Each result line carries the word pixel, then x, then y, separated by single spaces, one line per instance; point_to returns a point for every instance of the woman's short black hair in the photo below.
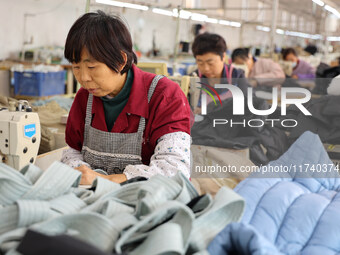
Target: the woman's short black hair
pixel 209 43
pixel 105 37
pixel 242 53
pixel 288 51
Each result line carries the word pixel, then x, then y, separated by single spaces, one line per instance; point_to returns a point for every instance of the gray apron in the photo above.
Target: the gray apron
pixel 112 152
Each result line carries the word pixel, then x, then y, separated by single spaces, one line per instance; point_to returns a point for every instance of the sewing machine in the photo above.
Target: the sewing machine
pixel 19 135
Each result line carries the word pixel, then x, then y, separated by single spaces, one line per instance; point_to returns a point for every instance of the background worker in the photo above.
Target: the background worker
pixel 301 69
pixel 209 51
pixel 262 71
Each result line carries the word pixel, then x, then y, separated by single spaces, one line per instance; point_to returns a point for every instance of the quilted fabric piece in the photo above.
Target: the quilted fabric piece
pixel 296 213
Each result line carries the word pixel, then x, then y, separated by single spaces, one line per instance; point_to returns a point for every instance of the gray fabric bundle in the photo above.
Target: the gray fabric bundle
pixel 149 217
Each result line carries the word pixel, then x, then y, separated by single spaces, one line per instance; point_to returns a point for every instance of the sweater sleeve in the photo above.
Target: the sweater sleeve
pixel 271 73
pixel 74 133
pixel 172 154
pixel 73 158
pixel 308 72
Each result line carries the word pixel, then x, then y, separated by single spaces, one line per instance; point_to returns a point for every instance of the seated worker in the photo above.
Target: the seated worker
pixel 262 71
pixel 301 69
pixel 210 53
pixel 123 121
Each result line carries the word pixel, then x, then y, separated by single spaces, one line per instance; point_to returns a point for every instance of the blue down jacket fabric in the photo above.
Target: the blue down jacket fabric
pixel 295 213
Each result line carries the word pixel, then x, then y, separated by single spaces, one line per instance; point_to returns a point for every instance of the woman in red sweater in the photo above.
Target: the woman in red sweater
pixel 123 121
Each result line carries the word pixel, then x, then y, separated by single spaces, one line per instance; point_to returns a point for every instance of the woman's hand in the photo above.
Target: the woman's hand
pixel 118 178
pixel 87 175
pixel 197 110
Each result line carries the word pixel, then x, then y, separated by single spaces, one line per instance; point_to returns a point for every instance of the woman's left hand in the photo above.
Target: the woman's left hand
pixel 87 175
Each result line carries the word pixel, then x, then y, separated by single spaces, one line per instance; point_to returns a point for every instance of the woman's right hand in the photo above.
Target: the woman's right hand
pixel 197 110
pixel 87 175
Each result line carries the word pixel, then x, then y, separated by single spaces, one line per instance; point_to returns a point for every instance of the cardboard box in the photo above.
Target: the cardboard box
pixel 4 83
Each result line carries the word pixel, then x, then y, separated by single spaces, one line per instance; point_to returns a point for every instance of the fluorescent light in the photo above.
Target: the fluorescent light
pixel 122 4
pixel 304 35
pixel 224 22
pixel 235 24
pixel 136 6
pixel 187 15
pixel 319 2
pixel 162 12
pixel 229 23
pixel 198 17
pixel 317 37
pixel 280 31
pixel 210 20
pixel 298 34
pixel 183 14
pixel 333 39
pixel 261 28
pixel 332 10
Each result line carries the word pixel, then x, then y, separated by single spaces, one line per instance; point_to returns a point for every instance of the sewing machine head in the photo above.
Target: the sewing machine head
pixel 19 135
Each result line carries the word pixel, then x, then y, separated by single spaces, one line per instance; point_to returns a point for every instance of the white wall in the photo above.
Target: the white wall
pixel 253 37
pixel 49 26
pixel 143 24
pixel 54 18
